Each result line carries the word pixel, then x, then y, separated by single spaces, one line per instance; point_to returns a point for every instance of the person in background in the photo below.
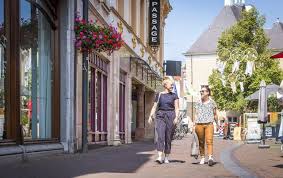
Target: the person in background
pixel 203 124
pixel 167 104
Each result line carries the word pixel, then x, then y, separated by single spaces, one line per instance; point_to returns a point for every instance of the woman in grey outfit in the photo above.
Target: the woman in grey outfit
pixel 167 110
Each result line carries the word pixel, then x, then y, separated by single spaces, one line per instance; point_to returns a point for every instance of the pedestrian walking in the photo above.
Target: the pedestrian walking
pixel 165 111
pixel 203 124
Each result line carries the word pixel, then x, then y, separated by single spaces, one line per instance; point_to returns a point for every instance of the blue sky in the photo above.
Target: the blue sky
pixel 189 18
pixel 25 10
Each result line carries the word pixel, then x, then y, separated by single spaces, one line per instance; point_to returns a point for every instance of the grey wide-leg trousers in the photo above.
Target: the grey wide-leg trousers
pixel 164 128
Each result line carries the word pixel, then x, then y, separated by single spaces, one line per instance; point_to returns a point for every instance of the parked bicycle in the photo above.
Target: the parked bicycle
pixel 181 129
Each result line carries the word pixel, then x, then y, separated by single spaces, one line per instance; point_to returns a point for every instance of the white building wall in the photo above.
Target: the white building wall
pixel 198 70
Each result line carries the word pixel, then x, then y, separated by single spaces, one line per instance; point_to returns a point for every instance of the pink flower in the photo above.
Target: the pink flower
pixel 78 43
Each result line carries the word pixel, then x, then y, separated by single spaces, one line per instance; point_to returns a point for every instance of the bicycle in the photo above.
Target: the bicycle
pixel 180 130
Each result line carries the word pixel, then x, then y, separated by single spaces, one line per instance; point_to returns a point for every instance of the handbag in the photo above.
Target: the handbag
pixel 154 117
pixel 195 146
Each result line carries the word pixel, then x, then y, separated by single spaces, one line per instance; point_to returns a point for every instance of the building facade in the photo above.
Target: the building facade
pixel 41 75
pixel 122 92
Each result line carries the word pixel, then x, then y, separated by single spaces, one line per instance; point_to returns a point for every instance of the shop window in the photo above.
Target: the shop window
pixel 232 119
pixel 27 91
pixel 122 100
pixel 98 99
pixel 36 72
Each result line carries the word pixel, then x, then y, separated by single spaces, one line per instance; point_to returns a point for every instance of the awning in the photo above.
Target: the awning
pixel 279 55
pixel 146 65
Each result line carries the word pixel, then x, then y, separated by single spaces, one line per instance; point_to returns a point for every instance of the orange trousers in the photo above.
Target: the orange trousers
pixel 205 134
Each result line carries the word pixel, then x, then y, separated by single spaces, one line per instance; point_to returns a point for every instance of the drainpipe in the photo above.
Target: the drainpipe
pixel 85 87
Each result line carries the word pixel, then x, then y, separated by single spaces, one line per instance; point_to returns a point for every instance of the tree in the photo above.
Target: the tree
pixel 245 41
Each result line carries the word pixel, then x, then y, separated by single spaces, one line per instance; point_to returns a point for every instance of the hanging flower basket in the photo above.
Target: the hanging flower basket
pixel 92 37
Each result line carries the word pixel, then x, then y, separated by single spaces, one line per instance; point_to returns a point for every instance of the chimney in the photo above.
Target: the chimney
pixel 228 2
pixel 233 2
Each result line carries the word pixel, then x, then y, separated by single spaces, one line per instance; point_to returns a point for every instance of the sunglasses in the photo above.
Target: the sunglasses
pixel 202 91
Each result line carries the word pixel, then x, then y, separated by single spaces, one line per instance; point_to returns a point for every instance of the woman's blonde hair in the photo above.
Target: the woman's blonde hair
pixel 166 80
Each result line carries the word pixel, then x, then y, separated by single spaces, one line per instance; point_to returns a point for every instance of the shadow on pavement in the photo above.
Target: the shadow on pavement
pixel 177 161
pixel 279 166
pixel 121 159
pixel 197 163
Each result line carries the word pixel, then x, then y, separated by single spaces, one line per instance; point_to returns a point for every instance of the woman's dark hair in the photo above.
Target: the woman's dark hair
pixel 208 89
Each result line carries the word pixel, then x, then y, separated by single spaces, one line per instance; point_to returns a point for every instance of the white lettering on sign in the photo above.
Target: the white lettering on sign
pixel 154 33
pixel 154 39
pixel 154 15
pixel 154 22
pixel 154 10
pixel 154 28
pixel 154 3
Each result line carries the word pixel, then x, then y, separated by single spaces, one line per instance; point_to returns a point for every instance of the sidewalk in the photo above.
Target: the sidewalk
pixel 134 160
pixel 262 162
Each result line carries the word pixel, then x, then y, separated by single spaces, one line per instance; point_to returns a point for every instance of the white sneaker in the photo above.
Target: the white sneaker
pixel 159 160
pixel 210 161
pixel 202 161
pixel 166 160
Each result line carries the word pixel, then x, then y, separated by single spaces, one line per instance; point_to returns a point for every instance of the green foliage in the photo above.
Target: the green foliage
pixel 24 119
pixel 272 104
pixel 239 43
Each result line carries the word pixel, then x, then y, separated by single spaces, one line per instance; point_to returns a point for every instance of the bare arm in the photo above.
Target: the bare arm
pixel 153 109
pixel 176 103
pixel 215 116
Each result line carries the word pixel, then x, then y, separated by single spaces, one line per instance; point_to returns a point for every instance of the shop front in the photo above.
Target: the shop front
pixel 30 79
pixel 145 83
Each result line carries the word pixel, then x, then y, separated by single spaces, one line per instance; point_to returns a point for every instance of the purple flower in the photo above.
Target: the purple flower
pixel 79 43
pixel 100 36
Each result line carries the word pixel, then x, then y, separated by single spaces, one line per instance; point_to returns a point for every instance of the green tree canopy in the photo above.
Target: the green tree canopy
pixel 245 41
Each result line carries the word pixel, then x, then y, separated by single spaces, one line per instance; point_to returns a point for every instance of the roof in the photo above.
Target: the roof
pixel 276 36
pixel 228 16
pixel 207 42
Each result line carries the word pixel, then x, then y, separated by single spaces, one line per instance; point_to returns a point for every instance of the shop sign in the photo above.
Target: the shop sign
pixel 154 20
pixel 253 130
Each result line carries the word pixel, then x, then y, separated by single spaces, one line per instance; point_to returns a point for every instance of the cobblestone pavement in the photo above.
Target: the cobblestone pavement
pixel 262 162
pixel 134 160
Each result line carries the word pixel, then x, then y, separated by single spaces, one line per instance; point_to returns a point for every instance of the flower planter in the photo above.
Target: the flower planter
pixel 92 37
